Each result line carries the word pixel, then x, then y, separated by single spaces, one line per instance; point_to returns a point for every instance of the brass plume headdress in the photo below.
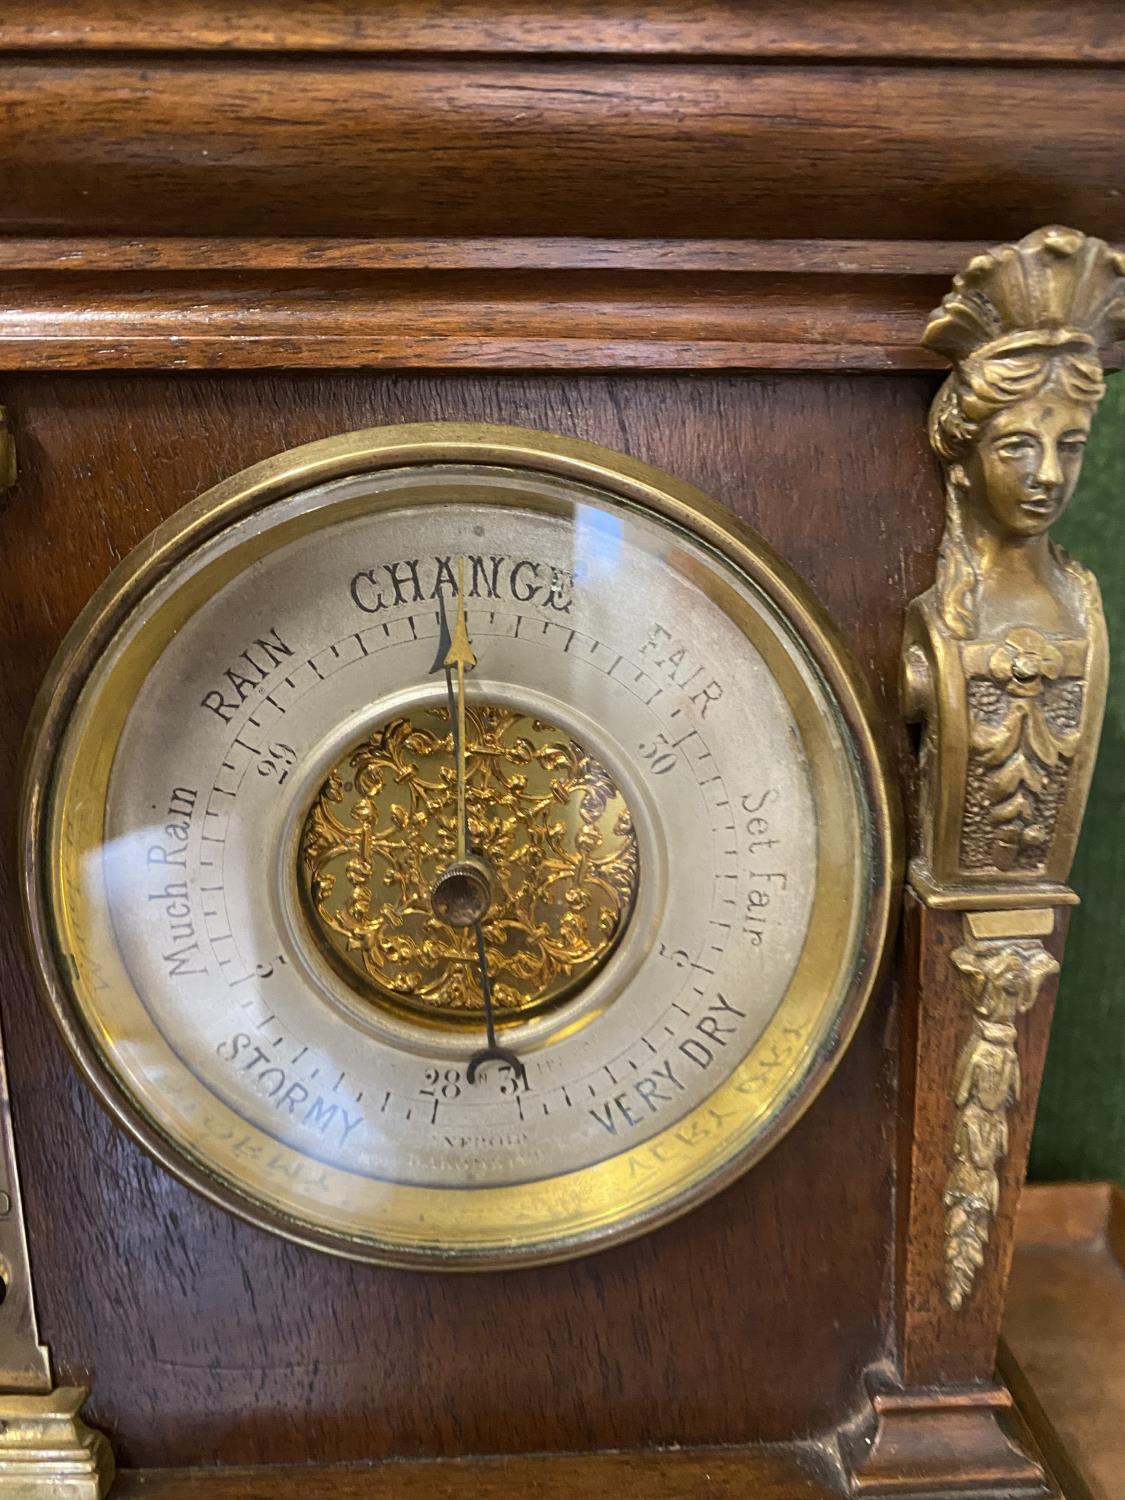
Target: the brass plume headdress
pixel 1056 289
pixel 1011 313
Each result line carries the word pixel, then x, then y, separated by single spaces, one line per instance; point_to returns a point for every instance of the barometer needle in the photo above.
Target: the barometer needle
pixel 486 986
pixel 459 659
pixel 491 1053
pixel 455 657
pixel 445 642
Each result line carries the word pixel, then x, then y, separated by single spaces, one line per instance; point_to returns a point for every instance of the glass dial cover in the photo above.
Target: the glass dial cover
pixel 243 789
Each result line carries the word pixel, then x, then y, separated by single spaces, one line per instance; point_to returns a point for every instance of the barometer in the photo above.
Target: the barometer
pixel 455 846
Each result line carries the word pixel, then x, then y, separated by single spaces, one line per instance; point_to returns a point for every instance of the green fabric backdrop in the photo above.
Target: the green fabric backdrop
pixel 1080 1131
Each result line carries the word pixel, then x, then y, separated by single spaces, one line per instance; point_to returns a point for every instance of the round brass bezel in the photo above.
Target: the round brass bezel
pixel 612 475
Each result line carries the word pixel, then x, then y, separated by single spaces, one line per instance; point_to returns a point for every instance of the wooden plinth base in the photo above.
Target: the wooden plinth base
pixel 692 1474
pixel 926 1449
pixel 923 1443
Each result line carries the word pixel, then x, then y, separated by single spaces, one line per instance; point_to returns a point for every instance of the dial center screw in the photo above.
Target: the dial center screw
pixel 462 892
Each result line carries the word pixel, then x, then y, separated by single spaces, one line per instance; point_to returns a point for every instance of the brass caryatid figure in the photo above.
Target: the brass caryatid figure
pixel 1005 659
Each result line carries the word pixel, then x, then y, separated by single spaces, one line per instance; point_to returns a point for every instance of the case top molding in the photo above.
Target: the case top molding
pixel 569 186
pixel 477 302
pixel 958 31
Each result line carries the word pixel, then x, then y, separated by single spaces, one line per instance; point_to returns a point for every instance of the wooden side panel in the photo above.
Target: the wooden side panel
pixel 469 147
pixel 208 1340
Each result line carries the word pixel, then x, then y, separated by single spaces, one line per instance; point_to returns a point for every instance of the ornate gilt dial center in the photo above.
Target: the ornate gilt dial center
pixel 544 815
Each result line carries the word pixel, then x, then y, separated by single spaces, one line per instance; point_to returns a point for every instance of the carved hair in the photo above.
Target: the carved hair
pixel 978 388
pixel 1019 318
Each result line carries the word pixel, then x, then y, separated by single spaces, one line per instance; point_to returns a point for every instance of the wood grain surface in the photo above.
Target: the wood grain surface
pixel 211 302
pixel 199 143
pixel 1015 30
pixel 1064 1329
pixel 548 303
pixel 718 1474
pixel 938 259
pixel 203 1336
pixel 480 319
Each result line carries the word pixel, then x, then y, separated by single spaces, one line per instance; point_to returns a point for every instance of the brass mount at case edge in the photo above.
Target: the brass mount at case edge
pixel 45 1447
pixel 47 1452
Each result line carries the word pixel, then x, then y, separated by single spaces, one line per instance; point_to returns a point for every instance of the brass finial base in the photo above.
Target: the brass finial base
pixel 47 1452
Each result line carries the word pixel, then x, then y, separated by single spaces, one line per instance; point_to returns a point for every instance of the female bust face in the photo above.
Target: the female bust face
pixel 1024 465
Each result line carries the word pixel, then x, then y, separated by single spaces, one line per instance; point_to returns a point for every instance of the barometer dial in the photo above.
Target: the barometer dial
pixel 456 846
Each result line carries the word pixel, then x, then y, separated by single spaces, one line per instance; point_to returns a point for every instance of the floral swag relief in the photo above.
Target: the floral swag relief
pixel 1004 662
pixel 1025 699
pixel 1003 981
